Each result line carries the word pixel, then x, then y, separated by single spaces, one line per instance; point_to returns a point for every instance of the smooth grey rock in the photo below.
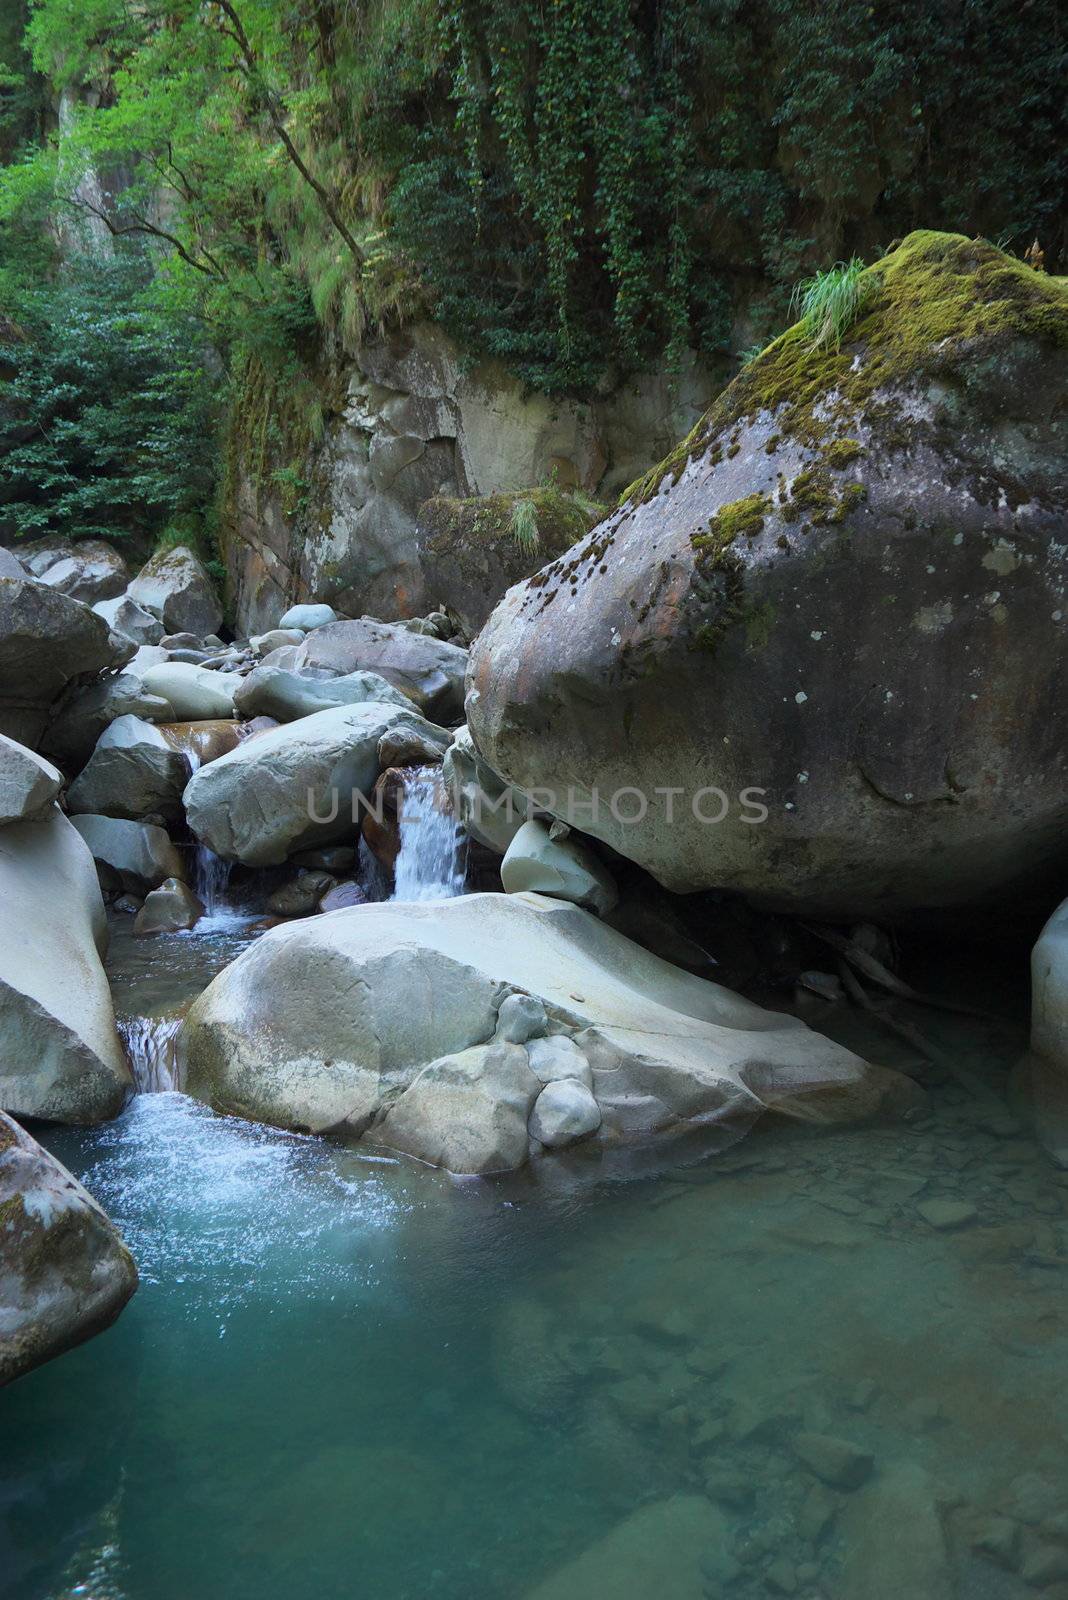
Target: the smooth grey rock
pixel 486 807
pixel 562 868
pixel 28 783
pixel 466 1112
pixel 838 1462
pixel 564 1112
pixel 172 908
pixel 892 1541
pixel 428 671
pixel 376 993
pixel 135 769
pixel 40 554
pixel 93 571
pixel 277 639
pixel 1049 1034
pixel 87 709
pixel 558 1057
pixel 129 620
pixel 140 855
pixel 292 788
pixel 10 565
pixel 276 691
pixel 60 1056
pixel 65 1271
pixel 696 640
pixel 661 1549
pixel 194 693
pixel 944 1212
pixel 175 587
pixel 46 641
pixel 308 617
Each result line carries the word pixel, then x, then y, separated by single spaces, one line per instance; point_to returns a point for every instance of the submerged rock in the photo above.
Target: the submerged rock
pixel 60 1056
pixel 664 1550
pixel 66 1273
pixel 175 588
pixel 840 592
pixel 386 1001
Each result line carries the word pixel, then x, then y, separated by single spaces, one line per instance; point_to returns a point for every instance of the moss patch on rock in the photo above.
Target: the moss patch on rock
pixel 453 527
pixel 938 301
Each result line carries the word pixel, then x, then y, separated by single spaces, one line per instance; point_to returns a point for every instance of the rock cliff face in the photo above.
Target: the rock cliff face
pixel 416 422
pixel 846 588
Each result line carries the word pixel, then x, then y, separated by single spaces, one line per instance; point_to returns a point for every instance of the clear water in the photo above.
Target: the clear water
pixel 353 1378
pixel 211 878
pixel 430 864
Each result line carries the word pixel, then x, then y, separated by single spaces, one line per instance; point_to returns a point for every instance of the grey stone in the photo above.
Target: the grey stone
pixel 564 1112
pixel 276 691
pixel 47 640
pixel 93 571
pixel 562 868
pixel 558 1057
pixel 175 587
pixel 28 783
pixel 129 620
pixel 172 908
pixel 838 1462
pixel 140 855
pixel 943 1212
pixel 195 693
pixel 135 769
pixel 521 1017
pixel 308 617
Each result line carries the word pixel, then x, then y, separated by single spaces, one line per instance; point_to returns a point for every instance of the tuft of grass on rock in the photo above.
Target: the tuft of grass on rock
pixel 829 303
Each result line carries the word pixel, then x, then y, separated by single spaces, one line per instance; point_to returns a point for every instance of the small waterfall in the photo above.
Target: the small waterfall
pixel 150 1049
pixel 211 876
pixel 430 865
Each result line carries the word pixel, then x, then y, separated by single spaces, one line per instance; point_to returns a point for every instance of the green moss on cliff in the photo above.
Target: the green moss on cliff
pixel 737 519
pixel 938 301
pixel 453 527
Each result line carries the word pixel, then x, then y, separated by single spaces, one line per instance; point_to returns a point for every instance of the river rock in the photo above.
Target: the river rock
pixel 838 1462
pixel 564 1112
pixel 840 591
pixel 308 617
pixel 559 867
pixel 93 571
pixel 196 694
pixel 138 854
pixel 892 1541
pixel 10 565
pixel 39 554
pixel 175 587
pixel 28 783
pixel 558 1057
pixel 429 671
pixel 301 895
pixel 129 620
pixel 375 994
pixel 264 644
pixel 87 709
pixel 276 691
pixel 485 806
pixel 172 908
pixel 1049 1034
pixel 60 1057
pixel 134 770
pixel 664 1549
pixel 65 1271
pixel 466 1112
pixel 46 641
pixel 294 787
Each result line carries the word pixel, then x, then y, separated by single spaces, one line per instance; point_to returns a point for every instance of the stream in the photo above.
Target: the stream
pixel 347 1376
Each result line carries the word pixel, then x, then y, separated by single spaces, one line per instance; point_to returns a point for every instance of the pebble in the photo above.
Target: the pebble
pixel 838 1462
pixel 944 1213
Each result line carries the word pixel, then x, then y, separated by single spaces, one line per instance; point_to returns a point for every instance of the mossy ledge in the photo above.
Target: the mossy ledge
pixel 938 299
pixel 453 526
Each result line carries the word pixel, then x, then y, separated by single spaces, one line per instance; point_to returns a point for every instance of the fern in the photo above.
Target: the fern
pixel 830 302
pixel 525 526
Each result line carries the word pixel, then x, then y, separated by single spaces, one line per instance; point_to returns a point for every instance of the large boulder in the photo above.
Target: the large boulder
pixel 92 571
pixel 335 1022
pixel 46 641
pixel 175 587
pixel 28 783
pixel 66 1273
pixel 429 671
pixel 486 807
pixel 473 550
pixel 563 868
pixel 196 694
pixel 10 565
pixel 139 769
pixel 296 786
pixel 275 691
pixel 135 856
pixel 88 708
pixel 839 592
pixel 129 620
pixel 60 1056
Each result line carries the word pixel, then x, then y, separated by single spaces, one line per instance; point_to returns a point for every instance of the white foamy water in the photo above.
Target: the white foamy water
pixel 430 865
pixel 211 878
pixel 150 1050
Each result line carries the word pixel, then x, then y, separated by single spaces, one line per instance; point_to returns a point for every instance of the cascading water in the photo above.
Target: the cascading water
pixel 430 865
pixel 211 875
pixel 150 1044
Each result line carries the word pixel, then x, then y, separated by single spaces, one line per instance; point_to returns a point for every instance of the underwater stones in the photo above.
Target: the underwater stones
pixel 172 908
pixel 943 1212
pixel 174 587
pixel 28 783
pixel 294 787
pixel 692 646
pixel 837 1462
pixel 195 694
pixel 562 868
pixel 60 1057
pixel 564 1112
pixel 661 1549
pixel 892 1540
pixel 65 1271
pixel 276 691
pixel 378 993
pixel 308 617
pixel 137 854
pixel 301 895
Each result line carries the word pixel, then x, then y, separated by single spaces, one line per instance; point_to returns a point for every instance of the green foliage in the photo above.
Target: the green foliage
pixel 830 302
pixel 107 418
pixel 525 526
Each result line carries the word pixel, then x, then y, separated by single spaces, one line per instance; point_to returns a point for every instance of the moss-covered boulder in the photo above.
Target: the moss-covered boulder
pixel 846 588
pixel 65 1274
pixel 472 551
